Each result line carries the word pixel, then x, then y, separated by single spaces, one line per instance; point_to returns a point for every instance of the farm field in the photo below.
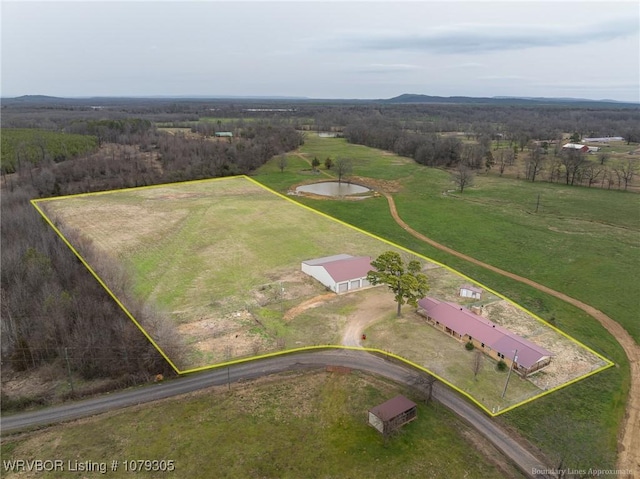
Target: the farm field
pixel 581 240
pixel 222 259
pixel 596 405
pixel 248 431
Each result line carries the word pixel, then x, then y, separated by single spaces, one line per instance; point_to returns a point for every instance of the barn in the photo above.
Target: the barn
pixel 495 341
pixel 340 273
pixel 469 291
pixel 576 147
pixel 393 414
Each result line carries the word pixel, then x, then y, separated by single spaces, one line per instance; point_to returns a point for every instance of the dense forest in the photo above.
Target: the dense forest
pixel 54 313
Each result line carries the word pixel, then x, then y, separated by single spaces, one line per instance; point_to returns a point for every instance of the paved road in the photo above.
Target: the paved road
pixel 360 360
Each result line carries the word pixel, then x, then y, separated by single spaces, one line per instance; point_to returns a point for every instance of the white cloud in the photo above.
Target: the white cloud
pixel 473 38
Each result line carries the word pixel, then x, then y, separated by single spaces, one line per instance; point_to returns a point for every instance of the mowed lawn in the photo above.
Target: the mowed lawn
pixel 311 424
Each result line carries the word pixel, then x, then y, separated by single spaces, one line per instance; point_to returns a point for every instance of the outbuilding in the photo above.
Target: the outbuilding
pixel 576 147
pixel 340 273
pixel 393 414
pixel 469 291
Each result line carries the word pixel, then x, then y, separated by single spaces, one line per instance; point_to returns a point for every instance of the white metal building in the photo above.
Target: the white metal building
pixel 340 273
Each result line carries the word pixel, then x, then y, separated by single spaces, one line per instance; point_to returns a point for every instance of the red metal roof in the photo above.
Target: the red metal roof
pixel 345 269
pixel 464 322
pixel 392 408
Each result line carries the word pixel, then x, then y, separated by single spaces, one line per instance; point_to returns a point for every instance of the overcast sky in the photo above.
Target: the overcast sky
pixel 322 49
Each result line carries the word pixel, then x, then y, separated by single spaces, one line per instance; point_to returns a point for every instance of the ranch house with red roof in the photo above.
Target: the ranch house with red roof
pixel 495 341
pixel 340 273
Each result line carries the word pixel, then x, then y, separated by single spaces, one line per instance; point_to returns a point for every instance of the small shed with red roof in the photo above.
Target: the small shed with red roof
pixel 340 273
pixel 490 338
pixel 393 414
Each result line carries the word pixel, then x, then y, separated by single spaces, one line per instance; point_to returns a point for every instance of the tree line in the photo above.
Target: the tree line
pixel 53 312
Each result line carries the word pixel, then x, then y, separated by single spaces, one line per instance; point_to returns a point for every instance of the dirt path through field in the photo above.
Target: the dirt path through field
pixel 371 309
pixel 309 303
pixel 629 439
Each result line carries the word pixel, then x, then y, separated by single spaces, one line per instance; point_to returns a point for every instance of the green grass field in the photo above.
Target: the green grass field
pixel 28 145
pixel 581 241
pixel 211 254
pixel 311 424
pixel 495 222
pixel 596 245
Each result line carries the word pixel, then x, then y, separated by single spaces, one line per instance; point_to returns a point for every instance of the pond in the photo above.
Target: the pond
pixel 333 188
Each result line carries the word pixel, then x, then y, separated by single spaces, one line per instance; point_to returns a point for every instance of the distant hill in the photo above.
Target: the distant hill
pixel 501 100
pixel 406 98
pixel 33 99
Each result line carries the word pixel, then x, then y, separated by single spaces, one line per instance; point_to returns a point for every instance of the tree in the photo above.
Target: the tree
pixel 406 282
pixel 282 162
pixel 625 173
pixel 476 363
pixel 315 163
pixel 343 167
pixel 462 176
pixel 533 163
pixel 573 161
pixel 603 157
pixel 423 383
pixel 328 163
pixel 591 174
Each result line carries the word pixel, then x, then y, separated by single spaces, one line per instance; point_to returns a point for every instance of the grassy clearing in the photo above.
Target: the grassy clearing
pixel 499 227
pixel 30 145
pixel 216 254
pixel 297 425
pixel 580 242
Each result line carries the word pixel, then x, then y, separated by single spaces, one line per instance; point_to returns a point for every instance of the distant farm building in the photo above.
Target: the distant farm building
pixel 605 139
pixel 393 414
pixel 224 134
pixel 490 338
pixel 340 273
pixel 468 291
pixel 576 147
pixel 593 149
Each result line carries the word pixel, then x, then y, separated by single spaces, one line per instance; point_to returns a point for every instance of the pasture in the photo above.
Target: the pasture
pixel 280 426
pixel 580 241
pixel 495 221
pixel 222 259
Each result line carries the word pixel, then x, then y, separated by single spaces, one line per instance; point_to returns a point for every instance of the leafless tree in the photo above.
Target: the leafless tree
pixel 476 363
pixel 625 173
pixel 462 176
pixel 534 162
pixel 591 174
pixel 282 162
pixel 343 167
pixel 603 157
pixel 424 384
pixel 573 161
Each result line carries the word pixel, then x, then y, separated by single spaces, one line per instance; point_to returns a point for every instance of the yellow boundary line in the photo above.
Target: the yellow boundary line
pixel 102 283
pixel 608 362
